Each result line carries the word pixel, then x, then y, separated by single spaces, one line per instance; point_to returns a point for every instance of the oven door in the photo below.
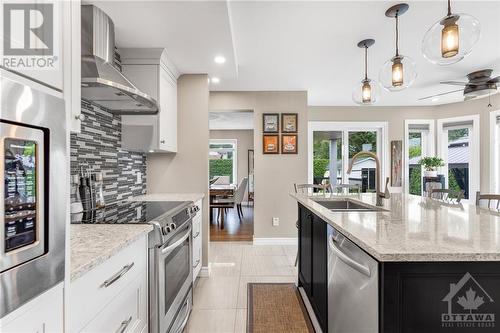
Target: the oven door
pixel 175 275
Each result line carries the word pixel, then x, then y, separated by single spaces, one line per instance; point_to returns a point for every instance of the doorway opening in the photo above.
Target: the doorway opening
pixel 231 176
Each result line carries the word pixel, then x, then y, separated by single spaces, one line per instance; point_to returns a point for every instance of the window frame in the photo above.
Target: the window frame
pixel 233 142
pixel 346 128
pixel 475 144
pixel 429 146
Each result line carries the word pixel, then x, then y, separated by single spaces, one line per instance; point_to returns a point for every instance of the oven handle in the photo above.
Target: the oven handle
pixel 184 322
pixel 177 243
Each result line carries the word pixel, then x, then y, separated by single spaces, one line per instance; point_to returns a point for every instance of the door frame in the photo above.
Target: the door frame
pixel 345 127
pixel 494 152
pixel 475 163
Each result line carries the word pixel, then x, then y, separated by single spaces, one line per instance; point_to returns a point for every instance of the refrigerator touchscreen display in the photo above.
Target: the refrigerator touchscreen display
pixel 20 177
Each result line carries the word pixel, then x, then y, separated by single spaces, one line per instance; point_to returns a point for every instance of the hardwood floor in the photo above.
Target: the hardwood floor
pixel 234 230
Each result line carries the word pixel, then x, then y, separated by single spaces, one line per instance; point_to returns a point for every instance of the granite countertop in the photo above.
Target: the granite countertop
pixel 415 228
pixel 92 244
pixel 169 197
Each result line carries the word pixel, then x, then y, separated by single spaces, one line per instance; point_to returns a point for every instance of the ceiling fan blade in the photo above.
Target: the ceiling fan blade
pixel 442 94
pixel 456 83
pixel 495 80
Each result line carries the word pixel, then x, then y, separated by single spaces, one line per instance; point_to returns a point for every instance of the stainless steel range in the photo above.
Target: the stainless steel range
pixel 170 256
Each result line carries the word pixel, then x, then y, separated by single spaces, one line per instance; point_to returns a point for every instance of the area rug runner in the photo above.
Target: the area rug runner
pixel 276 307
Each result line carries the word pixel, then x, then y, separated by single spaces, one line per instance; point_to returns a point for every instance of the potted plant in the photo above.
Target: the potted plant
pixel 430 165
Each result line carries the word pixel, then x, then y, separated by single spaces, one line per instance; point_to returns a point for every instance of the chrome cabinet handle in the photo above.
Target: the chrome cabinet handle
pixel 177 243
pixel 124 325
pixel 346 259
pixel 118 275
pixel 197 263
pixel 197 234
pixel 162 141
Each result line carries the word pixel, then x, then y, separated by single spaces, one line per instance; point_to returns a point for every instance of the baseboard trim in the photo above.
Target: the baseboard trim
pixel 205 271
pixel 275 241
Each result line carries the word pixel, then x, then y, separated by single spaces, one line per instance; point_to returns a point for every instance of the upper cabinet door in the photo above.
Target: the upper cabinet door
pixel 168 112
pixel 39 57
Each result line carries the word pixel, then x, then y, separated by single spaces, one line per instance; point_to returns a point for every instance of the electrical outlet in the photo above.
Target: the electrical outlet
pixel 276 221
pixel 138 212
pixel 139 177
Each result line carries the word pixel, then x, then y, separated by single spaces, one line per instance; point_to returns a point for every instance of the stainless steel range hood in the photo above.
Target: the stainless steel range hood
pixel 103 84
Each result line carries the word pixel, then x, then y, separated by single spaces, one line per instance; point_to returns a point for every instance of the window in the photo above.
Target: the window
pixel 419 142
pixel 458 146
pixel 495 151
pixel 332 146
pixel 223 160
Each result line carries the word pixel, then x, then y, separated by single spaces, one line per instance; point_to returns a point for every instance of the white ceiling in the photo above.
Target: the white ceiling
pixel 237 120
pixel 291 45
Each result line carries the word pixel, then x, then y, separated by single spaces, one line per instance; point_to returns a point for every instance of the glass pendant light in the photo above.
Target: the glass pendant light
pixel 365 92
pixel 399 72
pixel 451 38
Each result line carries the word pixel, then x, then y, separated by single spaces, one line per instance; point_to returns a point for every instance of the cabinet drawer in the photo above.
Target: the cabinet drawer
pixel 126 313
pixel 196 226
pixel 94 290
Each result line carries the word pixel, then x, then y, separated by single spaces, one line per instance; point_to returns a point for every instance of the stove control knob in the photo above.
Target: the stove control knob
pixel 173 226
pixel 166 229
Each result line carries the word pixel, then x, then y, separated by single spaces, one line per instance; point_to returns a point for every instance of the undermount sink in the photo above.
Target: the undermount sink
pixel 346 205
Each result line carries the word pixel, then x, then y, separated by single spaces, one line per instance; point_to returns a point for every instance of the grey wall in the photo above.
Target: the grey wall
pixel 244 143
pixel 99 144
pixel 274 174
pixel 187 170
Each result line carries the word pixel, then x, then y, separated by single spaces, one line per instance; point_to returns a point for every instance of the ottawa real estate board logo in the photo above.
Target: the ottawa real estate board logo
pixel 29 39
pixel 468 305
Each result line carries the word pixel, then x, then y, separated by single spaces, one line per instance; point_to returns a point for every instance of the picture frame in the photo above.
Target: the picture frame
pixel 270 122
pixel 289 143
pixel 289 122
pixel 270 144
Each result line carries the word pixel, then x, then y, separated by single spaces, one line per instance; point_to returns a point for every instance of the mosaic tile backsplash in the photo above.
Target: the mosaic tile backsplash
pixel 99 145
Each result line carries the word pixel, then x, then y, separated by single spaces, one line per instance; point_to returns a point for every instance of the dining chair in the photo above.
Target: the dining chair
pixel 448 195
pixel 231 202
pixel 490 197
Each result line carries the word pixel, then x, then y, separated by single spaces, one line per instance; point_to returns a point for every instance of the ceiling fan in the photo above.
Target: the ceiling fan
pixel 480 84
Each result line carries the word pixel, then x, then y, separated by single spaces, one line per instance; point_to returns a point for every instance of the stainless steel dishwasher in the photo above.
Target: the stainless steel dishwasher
pixel 352 287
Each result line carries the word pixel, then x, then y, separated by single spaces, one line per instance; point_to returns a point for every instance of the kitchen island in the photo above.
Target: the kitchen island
pixel 414 265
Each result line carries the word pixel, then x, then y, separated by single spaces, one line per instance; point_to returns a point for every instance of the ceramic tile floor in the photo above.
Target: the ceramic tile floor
pixel 220 301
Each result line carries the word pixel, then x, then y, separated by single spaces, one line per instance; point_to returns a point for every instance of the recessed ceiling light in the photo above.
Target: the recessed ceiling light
pixel 220 59
pixel 215 80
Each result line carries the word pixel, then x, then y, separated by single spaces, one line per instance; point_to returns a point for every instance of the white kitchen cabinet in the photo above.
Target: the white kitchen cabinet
pixel 151 71
pixel 197 240
pixel 113 297
pixel 42 315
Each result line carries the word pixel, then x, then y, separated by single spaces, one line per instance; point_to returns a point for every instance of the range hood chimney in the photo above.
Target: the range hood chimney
pixel 103 84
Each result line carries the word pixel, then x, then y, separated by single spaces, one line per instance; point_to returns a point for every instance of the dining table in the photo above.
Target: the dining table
pixel 219 191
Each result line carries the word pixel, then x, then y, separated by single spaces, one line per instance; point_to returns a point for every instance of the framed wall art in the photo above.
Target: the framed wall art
pixel 270 122
pixel 289 143
pixel 289 122
pixel 270 144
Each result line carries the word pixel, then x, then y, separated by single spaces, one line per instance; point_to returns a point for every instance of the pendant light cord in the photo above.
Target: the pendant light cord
pixel 397 34
pixel 366 62
pixel 449 7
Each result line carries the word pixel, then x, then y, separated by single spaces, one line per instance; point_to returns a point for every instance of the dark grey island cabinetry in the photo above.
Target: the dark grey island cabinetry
pixel 355 286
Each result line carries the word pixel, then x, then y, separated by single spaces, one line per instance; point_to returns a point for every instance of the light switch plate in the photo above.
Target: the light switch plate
pixel 276 221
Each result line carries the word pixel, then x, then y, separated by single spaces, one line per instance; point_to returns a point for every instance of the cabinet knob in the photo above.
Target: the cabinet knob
pixel 162 141
pixel 80 117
